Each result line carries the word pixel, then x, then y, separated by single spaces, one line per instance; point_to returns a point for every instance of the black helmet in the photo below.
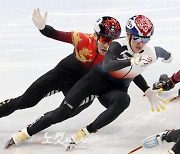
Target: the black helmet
pixel 108 27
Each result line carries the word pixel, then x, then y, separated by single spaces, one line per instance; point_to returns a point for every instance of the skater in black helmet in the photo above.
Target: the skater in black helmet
pixel 89 50
pixel 124 62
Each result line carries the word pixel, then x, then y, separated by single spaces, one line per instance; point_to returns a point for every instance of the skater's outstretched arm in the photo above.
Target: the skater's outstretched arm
pixel 48 31
pixel 165 55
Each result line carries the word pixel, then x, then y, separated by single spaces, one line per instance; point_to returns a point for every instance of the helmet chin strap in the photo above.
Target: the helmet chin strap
pixel 130 42
pixel 97 44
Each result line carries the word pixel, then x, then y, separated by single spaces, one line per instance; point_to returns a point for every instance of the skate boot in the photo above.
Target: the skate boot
pixel 18 138
pixel 77 138
pixel 155 140
pixel 171 152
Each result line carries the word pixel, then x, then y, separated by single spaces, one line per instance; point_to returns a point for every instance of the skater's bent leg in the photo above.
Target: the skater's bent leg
pixel 38 90
pixel 33 94
pixel 58 115
pixel 81 108
pixel 120 102
pixel 8 106
pixel 78 94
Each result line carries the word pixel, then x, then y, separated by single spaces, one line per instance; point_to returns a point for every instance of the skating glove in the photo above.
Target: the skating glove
pixel 168 85
pixel 169 59
pixel 141 61
pixel 155 100
pixel 38 19
pixel 165 85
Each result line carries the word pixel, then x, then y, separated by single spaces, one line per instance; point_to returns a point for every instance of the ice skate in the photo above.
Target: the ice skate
pixel 9 143
pixel 155 140
pixel 171 152
pixel 77 138
pixel 18 138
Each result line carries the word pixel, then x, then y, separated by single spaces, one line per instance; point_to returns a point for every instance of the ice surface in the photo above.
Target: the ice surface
pixel 25 55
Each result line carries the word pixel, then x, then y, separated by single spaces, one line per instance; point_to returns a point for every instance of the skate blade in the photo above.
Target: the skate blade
pixel 9 143
pixel 70 146
pixel 175 98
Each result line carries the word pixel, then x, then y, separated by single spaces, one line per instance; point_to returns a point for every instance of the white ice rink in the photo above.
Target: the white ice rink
pixel 25 55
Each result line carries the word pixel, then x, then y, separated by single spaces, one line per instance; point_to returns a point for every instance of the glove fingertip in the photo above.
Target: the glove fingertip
pixel 165 101
pixel 158 109
pixel 160 89
pixel 163 107
pixel 152 109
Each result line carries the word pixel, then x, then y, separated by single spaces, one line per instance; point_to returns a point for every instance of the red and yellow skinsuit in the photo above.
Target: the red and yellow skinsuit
pixel 85 50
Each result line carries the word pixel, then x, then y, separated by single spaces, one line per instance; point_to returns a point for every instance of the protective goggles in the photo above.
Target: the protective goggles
pixel 105 40
pixel 141 39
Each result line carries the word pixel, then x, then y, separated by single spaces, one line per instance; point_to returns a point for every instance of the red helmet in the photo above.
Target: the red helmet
pixel 108 27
